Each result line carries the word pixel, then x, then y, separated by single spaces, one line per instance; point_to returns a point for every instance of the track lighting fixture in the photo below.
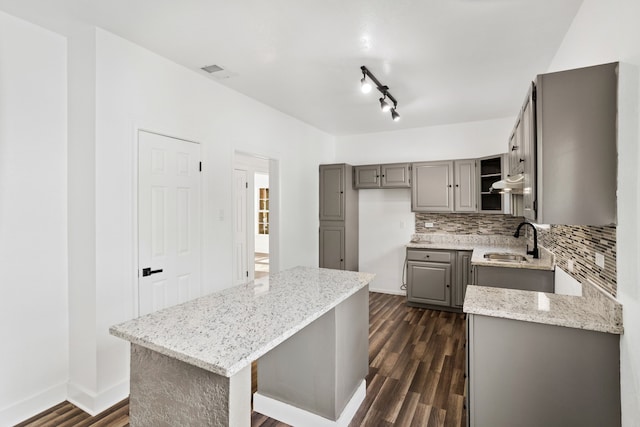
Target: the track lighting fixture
pixel 385 106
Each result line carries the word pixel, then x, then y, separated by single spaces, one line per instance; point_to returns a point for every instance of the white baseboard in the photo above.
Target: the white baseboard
pixel 389 291
pixel 27 408
pixel 297 417
pixel 94 403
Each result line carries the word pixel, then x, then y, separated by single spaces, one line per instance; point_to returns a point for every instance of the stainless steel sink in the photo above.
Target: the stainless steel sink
pixel 505 257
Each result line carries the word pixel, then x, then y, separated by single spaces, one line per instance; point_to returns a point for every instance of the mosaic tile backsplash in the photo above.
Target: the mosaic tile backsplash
pixel 471 223
pixel 567 242
pixel 580 243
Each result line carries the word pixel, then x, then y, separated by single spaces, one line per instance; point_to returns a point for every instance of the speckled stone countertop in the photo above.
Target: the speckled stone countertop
pixel 482 244
pixel 226 331
pixel 595 310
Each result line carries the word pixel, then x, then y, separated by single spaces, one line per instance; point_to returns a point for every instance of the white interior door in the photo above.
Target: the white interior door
pixel 240 229
pixel 169 247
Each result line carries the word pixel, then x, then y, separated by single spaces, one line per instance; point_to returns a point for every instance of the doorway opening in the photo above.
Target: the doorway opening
pixel 255 217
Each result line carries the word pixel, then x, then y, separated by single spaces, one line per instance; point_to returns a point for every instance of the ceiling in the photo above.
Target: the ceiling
pixel 445 61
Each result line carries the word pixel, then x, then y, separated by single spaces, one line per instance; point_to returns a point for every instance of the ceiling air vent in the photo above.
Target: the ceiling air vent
pixel 217 72
pixel 212 68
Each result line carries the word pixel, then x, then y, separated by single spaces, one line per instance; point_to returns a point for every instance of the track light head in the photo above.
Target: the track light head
pixel 384 105
pixel 365 86
pixel 394 115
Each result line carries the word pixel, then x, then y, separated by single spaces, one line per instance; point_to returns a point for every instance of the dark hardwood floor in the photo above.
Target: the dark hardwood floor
pixel 416 374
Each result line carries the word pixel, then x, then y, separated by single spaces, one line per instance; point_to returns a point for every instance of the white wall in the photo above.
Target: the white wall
pixel 606 32
pixel 135 88
pixel 33 221
pixel 386 220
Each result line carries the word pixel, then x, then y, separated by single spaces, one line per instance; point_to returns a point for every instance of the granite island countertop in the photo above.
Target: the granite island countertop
pixel 226 331
pixel 595 310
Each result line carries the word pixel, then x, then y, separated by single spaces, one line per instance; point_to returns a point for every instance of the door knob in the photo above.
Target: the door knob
pixel 148 271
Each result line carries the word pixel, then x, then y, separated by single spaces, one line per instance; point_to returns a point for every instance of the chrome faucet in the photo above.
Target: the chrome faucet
pixel 534 251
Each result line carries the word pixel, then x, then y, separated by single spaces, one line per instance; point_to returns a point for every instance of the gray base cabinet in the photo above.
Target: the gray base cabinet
pixel 437 278
pixel 338 233
pixel 514 278
pixel 530 375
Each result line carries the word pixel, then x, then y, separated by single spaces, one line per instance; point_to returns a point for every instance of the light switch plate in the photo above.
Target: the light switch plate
pixel 428 225
pixel 599 260
pixel 570 266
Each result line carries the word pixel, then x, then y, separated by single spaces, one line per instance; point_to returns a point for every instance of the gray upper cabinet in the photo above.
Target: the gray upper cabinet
pixel 570 156
pixel 444 186
pixel 432 189
pixel 490 170
pixel 338 232
pixel 464 190
pixel 529 157
pixel 394 175
pixel 367 176
pixel 332 192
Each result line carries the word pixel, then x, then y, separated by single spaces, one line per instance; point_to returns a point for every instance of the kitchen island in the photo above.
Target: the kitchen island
pixel 191 363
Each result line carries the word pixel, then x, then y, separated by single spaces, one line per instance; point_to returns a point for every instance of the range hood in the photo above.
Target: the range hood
pixel 512 184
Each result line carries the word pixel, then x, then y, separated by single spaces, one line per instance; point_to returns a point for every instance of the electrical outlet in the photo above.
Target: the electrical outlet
pixel 599 260
pixel 428 225
pixel 570 266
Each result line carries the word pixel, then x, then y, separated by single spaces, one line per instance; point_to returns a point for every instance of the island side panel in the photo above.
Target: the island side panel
pixel 352 346
pixel 320 368
pixel 166 391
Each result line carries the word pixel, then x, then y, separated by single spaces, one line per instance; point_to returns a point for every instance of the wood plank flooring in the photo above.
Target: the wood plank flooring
pixel 416 374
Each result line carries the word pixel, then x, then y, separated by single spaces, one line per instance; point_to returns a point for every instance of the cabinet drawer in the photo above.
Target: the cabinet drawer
pixel 432 256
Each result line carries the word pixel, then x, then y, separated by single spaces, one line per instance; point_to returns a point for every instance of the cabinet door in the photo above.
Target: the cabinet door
pixel 516 150
pixel 529 155
pixel 332 247
pixel 463 277
pixel 465 190
pixel 432 189
pixel 332 188
pixel 395 175
pixel 429 283
pixel 367 176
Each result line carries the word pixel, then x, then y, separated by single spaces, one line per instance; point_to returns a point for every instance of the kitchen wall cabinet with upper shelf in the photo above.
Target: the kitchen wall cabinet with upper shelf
pixel 338 234
pixel 448 186
pixel 490 170
pixel 393 175
pixel 569 143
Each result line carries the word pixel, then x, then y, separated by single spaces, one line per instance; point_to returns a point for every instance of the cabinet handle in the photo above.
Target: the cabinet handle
pixel 426 256
pixel 449 185
pixel 448 286
pixel 457 185
pixel 341 260
pixel 521 160
pixel 342 192
pixel 514 148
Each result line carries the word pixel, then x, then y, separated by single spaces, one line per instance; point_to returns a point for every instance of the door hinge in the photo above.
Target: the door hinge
pixel 200 167
pixel 246 185
pixel 247 274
